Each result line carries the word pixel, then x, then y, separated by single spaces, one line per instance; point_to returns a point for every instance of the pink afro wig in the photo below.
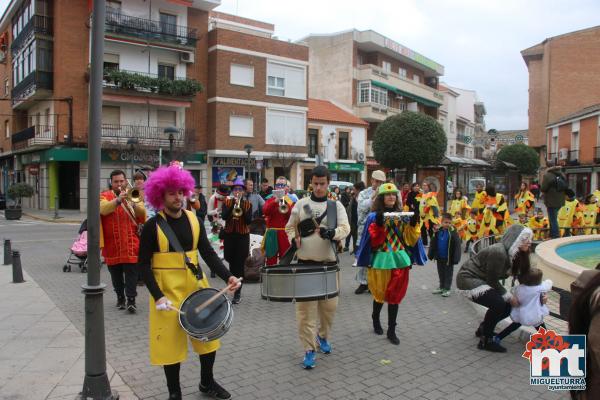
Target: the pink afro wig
pixel 167 178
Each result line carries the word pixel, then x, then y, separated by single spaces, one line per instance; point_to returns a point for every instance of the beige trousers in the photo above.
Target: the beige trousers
pixel 306 317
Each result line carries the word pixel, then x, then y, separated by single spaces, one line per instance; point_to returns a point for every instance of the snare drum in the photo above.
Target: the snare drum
pixel 299 282
pixel 212 322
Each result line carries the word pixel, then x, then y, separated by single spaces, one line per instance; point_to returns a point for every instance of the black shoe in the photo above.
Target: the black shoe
pixel 174 396
pixel 488 344
pixel 131 307
pixel 479 331
pixel 361 289
pixel 236 299
pixel 377 326
pixel 215 391
pixel 120 303
pixel 391 335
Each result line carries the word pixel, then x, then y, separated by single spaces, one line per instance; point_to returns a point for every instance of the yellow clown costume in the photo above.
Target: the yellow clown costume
pixel 168 341
pixel 566 215
pixel 525 201
pixel 459 205
pixel 471 230
pixel 538 226
pixel 499 207
pixel 429 209
pixel 590 212
pixel 479 202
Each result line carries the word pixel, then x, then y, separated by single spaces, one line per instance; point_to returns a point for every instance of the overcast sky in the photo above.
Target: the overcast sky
pixel 477 41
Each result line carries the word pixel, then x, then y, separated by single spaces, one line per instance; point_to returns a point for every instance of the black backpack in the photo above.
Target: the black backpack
pixel 561 183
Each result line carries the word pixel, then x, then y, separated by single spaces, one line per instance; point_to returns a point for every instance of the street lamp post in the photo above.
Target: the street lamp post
pixel 95 383
pixel 170 132
pixel 248 148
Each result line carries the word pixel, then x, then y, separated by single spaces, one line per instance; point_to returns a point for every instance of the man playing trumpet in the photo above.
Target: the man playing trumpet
pixel 277 211
pixel 121 213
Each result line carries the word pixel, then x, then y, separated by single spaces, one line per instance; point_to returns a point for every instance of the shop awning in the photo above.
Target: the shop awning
pixel 465 161
pixel 64 154
pixel 401 92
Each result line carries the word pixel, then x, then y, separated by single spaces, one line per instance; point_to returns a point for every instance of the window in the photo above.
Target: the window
pixel 313 142
pixel 113 5
pixel 166 118
pixel 168 23
pixel 343 146
pixel 575 141
pixel 7 128
pixel 286 80
pixel 372 94
pixel 386 66
pixel 243 75
pixel 166 71
pixel 417 78
pixel 47 117
pixel 6 87
pixel 111 61
pixel 241 125
pixel 111 115
pixel 363 90
pixel 402 72
pixel 286 128
pixel 451 126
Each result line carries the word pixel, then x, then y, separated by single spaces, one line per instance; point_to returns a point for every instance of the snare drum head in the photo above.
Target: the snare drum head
pixel 210 318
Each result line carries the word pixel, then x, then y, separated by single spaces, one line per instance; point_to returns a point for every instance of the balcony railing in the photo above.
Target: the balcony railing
pixel 573 155
pixel 28 86
pixel 552 157
pixel 146 29
pixel 597 154
pixel 37 24
pixel 34 135
pixel 150 83
pixel 147 136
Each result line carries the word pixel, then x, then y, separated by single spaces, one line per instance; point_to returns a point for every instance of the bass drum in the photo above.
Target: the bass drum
pixel 210 323
pixel 300 282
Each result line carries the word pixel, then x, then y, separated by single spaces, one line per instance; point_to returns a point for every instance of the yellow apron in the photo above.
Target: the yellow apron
pixel 168 341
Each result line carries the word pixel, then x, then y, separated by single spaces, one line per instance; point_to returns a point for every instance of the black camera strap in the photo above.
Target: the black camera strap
pixel 174 242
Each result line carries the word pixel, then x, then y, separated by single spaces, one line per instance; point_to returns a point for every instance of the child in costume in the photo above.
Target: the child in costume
pixel 539 225
pixel 384 248
pixel 487 225
pixel 522 219
pixel 445 249
pixel 525 199
pixel 459 224
pixel 531 311
pixel 497 204
pixel 478 201
pixel 459 204
pixel 566 214
pixel 472 230
pixel 429 211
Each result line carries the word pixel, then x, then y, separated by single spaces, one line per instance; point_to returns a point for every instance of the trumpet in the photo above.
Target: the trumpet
pixel 193 198
pixel 237 210
pixel 134 195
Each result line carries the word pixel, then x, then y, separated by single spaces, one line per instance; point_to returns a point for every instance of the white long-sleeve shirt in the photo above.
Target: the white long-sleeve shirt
pixel 531 311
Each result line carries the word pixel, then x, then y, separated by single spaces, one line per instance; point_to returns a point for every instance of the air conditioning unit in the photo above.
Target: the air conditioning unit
pixel 186 57
pixel 563 154
pixel 360 156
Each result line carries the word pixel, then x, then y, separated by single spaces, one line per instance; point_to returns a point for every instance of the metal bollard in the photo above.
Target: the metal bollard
pixel 7 252
pixel 55 207
pixel 16 267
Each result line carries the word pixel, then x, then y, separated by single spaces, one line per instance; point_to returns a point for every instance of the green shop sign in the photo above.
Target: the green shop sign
pixel 354 167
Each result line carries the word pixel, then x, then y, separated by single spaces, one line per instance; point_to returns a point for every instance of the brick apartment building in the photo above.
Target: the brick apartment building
pixel 257 101
pixel 155 55
pixel 563 79
pixel 373 76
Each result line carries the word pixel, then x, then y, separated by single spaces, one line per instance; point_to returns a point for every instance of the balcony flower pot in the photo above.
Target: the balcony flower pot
pixel 17 192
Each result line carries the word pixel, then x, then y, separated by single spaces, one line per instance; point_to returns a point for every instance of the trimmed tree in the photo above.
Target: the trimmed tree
pixel 409 140
pixel 524 157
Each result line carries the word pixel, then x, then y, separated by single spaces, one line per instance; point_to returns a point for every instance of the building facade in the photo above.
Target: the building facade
pixel 574 142
pixel 257 101
pixel 153 101
pixel 373 76
pixel 563 79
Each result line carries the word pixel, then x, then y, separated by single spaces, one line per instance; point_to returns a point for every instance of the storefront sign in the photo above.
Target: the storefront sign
pixel 372 163
pixel 354 167
pixel 236 162
pixel 139 156
pixel 413 55
pixel 34 169
pixel 225 174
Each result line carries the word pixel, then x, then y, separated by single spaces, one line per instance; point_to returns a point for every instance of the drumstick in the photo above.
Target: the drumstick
pixel 214 297
pixel 175 309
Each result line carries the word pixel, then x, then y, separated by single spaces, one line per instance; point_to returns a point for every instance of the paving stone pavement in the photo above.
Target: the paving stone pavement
pixel 261 355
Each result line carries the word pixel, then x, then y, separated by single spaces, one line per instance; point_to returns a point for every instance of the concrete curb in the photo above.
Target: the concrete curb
pixel 61 220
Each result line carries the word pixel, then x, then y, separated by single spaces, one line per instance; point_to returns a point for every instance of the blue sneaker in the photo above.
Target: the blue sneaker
pixel 324 345
pixel 309 360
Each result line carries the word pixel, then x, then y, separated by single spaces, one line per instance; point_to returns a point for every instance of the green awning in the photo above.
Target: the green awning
pixel 64 154
pixel 196 158
pixel 416 98
pixel 346 167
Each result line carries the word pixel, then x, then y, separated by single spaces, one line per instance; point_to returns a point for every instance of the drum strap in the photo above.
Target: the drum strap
pixel 172 238
pixel 332 224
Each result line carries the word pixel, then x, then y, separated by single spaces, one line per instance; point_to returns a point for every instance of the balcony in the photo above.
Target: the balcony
pixel 374 112
pixel 597 154
pixel 147 136
pixel 38 135
pixel 463 139
pixel 574 157
pixel 415 91
pixel 145 83
pixel 35 84
pixel 552 157
pixel 153 32
pixel 38 24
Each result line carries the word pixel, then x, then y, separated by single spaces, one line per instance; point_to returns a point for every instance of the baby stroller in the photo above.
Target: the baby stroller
pixel 78 255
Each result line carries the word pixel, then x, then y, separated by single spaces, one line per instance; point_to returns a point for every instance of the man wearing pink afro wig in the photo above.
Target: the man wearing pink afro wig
pixel 171 278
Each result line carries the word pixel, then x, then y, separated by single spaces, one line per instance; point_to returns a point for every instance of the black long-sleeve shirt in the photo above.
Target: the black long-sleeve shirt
pixel 182 229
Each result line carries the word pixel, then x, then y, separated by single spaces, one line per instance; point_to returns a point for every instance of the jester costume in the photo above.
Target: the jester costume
pixel 388 247
pixel 275 242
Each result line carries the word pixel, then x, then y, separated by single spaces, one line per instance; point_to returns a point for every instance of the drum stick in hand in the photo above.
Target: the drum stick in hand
pixel 215 296
pixel 176 309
